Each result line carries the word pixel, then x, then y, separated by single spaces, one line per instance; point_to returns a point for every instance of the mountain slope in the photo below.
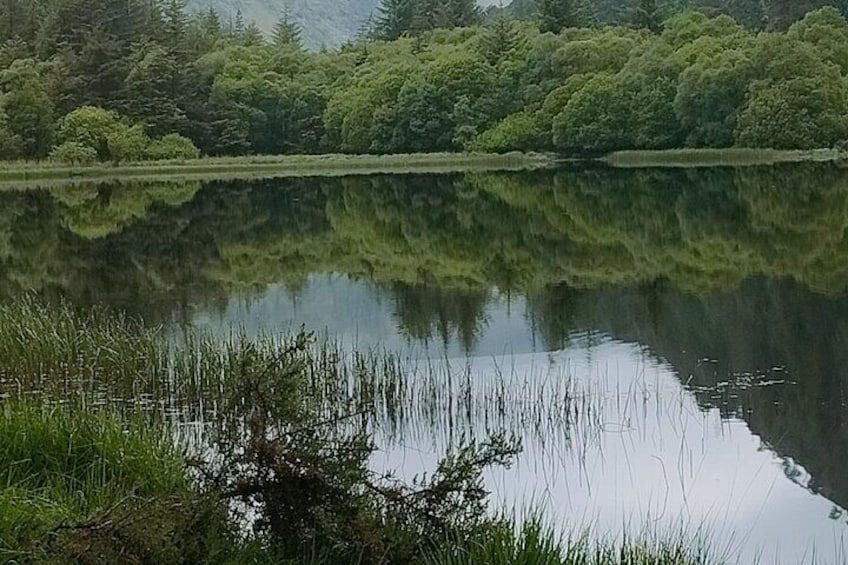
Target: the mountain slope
pixel 325 23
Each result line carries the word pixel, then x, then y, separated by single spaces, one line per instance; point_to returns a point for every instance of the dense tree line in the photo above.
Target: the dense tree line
pixel 121 80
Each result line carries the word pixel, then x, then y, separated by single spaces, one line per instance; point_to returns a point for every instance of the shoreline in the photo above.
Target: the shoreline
pixel 23 175
pixel 732 157
pixel 41 174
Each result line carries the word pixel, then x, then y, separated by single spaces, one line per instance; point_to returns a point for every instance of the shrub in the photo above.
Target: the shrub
pixel 522 131
pixel 172 146
pixel 73 153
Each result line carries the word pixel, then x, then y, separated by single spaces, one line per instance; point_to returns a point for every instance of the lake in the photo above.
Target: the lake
pixel 670 345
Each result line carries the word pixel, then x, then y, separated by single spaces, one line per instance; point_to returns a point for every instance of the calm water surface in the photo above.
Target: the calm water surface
pixel 697 319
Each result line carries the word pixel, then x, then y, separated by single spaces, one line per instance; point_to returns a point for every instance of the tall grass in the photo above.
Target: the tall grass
pixel 97 358
pixel 61 466
pixel 90 397
pixel 532 543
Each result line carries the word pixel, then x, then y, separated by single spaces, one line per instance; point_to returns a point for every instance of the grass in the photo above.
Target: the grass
pixel 532 543
pixel 23 174
pixel 62 466
pixel 90 458
pixel 732 157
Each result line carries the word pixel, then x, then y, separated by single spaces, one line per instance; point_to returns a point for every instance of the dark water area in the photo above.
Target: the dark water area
pixel 714 299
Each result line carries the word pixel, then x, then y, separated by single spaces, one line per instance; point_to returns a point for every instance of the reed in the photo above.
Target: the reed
pixel 100 409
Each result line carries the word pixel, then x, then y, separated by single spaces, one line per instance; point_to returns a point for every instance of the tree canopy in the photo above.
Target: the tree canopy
pixel 431 75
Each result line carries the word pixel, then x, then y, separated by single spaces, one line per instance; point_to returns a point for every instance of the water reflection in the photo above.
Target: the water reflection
pixel 719 294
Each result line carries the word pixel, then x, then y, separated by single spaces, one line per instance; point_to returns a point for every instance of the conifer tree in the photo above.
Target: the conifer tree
pixel 556 15
pixel 395 18
pixel 175 23
pixel 287 33
pixel 648 16
pixel 499 40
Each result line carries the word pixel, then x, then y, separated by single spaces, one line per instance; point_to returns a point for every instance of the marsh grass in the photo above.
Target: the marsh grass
pixel 96 359
pixel 27 174
pixel 93 435
pixel 732 157
pixel 509 542
pixel 61 466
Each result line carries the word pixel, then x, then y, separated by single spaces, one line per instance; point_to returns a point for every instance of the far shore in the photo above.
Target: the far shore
pixel 33 174
pixel 46 173
pixel 733 157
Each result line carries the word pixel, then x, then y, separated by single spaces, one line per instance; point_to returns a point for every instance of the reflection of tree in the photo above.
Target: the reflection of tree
pixel 551 313
pixel 97 211
pixel 770 352
pixel 702 230
pixel 423 312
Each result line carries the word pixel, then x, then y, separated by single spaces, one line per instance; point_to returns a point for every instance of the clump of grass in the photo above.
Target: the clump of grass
pixel 71 478
pixel 502 542
pixel 85 459
pixel 49 343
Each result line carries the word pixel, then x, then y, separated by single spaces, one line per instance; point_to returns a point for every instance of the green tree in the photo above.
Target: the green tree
pixel 394 19
pixel 710 94
pixel 748 13
pixel 500 40
pixel 556 15
pixel 176 24
pixel 104 132
pixel 596 118
pixel 804 113
pixel 27 106
pixel 287 33
pixel 827 31
pixel 780 14
pixel 171 146
pixel 73 153
pixel 648 16
pixel 152 90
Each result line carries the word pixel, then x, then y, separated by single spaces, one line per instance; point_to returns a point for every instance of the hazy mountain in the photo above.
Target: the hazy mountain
pixel 325 23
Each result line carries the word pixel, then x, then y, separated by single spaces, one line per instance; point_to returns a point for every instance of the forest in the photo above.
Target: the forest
pixel 131 80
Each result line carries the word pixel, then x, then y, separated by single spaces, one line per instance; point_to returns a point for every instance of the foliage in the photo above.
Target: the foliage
pixel 74 153
pixel 171 146
pixel 27 106
pixel 89 487
pixel 517 132
pixel 427 77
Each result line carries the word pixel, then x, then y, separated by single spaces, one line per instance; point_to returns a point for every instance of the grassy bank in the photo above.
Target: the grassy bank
pixel 23 174
pixel 118 445
pixel 734 157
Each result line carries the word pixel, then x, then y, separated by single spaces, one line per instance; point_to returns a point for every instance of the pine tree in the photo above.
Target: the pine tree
pixel 499 40
pixel 463 13
pixel 252 35
pixel 556 15
pixel 176 23
pixel 395 18
pixel 287 33
pixel 647 16
pixel 237 26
